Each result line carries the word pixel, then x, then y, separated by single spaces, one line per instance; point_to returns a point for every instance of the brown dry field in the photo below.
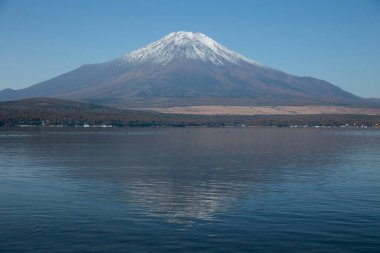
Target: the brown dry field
pixel 266 110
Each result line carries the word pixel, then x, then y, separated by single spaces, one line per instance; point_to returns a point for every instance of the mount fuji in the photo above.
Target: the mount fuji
pixel 181 69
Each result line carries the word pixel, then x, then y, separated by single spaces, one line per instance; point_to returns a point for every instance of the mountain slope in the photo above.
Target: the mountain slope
pixel 185 68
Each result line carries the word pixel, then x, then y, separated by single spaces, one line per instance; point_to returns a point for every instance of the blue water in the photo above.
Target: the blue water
pixel 190 190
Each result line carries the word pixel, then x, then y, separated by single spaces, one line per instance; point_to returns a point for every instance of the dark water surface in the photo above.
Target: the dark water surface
pixel 190 190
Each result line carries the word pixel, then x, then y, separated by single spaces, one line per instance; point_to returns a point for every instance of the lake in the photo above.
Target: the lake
pixel 190 190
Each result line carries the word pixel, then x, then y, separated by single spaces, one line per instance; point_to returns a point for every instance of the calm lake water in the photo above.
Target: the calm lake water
pixel 190 190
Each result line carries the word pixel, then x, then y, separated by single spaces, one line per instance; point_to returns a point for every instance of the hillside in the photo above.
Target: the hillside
pixel 56 112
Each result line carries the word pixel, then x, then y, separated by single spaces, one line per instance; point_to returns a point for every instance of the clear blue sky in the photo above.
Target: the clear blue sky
pixel 334 40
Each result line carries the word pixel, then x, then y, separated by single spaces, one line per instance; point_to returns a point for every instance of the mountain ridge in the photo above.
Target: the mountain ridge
pixel 185 68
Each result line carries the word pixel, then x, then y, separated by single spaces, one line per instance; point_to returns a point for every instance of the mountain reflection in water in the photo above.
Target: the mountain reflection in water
pixel 186 173
pixel 190 189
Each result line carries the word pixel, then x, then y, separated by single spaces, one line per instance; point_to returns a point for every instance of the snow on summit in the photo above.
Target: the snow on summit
pixel 186 45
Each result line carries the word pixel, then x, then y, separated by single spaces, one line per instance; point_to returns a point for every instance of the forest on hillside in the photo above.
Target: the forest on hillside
pixel 54 112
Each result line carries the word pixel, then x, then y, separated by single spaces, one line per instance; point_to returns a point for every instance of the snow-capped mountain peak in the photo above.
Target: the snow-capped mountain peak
pixel 186 45
pixel 184 69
